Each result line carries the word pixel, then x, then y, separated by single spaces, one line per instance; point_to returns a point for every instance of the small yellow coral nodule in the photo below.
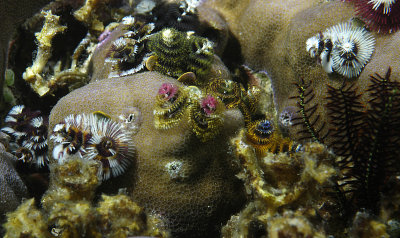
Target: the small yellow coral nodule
pixel 26 221
pixel 171 102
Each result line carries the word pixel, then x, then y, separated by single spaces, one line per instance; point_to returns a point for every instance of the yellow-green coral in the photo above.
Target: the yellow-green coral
pixel 45 79
pixel 121 217
pixel 26 221
pixel 291 174
pixel 87 14
pixel 292 225
pixel 72 219
pixel 32 74
pixel 73 181
pixel 290 192
pixel 70 212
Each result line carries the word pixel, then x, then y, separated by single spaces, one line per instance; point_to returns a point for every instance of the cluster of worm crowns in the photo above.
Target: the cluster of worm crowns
pixel 174 103
pixel 28 135
pixel 203 109
pixel 344 48
pixel 94 137
pixel 382 16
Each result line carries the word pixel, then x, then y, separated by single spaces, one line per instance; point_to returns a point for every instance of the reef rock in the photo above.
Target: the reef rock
pixel 12 188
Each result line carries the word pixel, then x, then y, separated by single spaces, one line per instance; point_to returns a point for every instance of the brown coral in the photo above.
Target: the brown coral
pixel 26 221
pixel 188 183
pixel 273 36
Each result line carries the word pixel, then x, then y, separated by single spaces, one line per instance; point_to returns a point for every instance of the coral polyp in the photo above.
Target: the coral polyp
pixel 110 144
pixel 205 118
pixel 343 48
pixel 262 135
pixel 171 102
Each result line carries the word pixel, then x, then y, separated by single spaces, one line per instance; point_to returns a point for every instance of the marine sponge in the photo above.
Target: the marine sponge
pixel 290 192
pixel 282 179
pixel 119 216
pixel 69 209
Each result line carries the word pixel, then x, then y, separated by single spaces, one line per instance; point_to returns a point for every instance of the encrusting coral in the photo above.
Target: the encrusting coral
pixel 289 191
